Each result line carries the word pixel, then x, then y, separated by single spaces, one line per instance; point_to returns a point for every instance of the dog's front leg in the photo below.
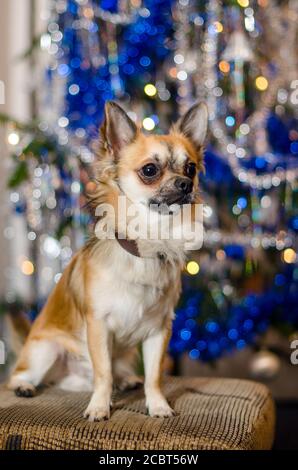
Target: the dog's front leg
pixel 99 344
pixel 154 348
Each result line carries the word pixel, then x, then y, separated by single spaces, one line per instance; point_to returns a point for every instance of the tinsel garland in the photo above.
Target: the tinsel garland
pixel 232 325
pixel 111 50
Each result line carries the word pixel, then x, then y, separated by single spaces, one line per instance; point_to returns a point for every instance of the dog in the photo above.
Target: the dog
pixel 119 292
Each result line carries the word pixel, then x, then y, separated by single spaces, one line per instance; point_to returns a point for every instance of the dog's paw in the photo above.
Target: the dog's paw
pixel 96 413
pixel 130 383
pixel 162 410
pixel 26 391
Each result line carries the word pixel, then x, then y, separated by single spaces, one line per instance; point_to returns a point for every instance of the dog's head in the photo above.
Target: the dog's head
pixel 153 169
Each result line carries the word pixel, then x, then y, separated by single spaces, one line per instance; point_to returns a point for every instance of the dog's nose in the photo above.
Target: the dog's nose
pixel 184 185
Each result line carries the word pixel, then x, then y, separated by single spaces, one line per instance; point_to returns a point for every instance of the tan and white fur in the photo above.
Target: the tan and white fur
pixel 108 300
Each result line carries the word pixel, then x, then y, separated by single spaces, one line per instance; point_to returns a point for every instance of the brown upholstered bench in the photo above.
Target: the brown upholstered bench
pixel 211 414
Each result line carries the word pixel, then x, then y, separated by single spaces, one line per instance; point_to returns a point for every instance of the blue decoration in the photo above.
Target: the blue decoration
pixel 242 202
pixel 102 69
pixel 95 77
pixel 235 252
pixel 240 325
pixel 278 133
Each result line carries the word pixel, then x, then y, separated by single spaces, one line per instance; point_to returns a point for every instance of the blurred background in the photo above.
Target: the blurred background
pixel 60 61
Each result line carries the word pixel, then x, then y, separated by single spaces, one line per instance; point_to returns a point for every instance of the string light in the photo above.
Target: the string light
pixel 207 211
pixel 218 26
pixel 289 255
pixel 74 89
pixel 178 59
pixel 230 121
pixel 265 202
pixel 243 3
pixel 31 236
pixel 244 128
pixel 261 83
pixel 182 75
pixel 173 72
pixel 57 277
pixel 192 268
pixel 148 124
pixel 27 268
pixel 249 23
pixel 13 138
pixel 150 89
pixel 224 66
pixel 45 41
pixel 63 121
pixel 220 255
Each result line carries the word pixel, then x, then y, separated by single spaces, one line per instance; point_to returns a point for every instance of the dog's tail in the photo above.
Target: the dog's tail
pixel 14 329
pixel 20 325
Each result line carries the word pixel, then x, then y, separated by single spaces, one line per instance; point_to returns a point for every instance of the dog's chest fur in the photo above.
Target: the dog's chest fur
pixel 134 295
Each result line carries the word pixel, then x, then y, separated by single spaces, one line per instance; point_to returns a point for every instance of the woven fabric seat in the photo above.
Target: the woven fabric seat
pixel 211 414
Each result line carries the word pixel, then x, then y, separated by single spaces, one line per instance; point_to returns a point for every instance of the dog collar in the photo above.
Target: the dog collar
pixel 130 246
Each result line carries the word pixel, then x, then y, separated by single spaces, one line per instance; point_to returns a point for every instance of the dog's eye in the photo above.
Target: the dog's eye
pixel 190 170
pixel 150 170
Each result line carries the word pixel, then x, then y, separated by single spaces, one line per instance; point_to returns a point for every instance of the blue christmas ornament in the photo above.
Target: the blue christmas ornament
pixel 243 321
pixel 103 61
pixel 112 63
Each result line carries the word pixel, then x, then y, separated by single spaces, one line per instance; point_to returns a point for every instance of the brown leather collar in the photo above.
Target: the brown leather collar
pixel 130 246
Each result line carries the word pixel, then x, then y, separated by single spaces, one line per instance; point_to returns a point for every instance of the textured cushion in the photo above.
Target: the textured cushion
pixel 211 414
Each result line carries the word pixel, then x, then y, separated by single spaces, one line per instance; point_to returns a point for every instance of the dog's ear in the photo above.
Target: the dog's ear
pixel 118 129
pixel 194 123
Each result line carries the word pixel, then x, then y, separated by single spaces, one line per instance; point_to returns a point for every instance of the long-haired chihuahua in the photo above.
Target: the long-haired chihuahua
pixel 118 292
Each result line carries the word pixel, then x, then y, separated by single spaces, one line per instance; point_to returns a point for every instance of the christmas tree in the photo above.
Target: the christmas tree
pixel 156 58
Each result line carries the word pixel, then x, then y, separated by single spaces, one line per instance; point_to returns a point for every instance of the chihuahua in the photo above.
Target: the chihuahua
pixel 118 292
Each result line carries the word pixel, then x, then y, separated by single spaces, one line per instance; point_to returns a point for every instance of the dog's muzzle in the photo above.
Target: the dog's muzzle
pixel 178 193
pixel 184 185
